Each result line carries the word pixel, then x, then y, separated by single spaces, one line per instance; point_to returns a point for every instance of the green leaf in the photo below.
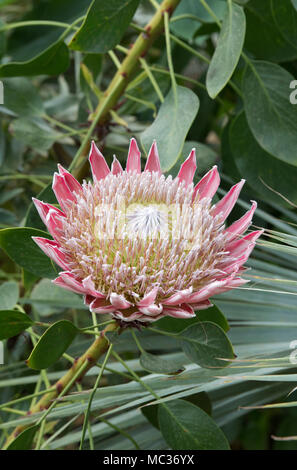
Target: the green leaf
pixel 52 344
pixel 2 40
pixel 294 3
pixel 24 440
pixel 176 325
pixel 228 50
pixel 21 97
pixel 151 414
pixel 206 344
pixel 53 61
pixel 19 246
pixel 271 118
pixel 285 17
pixel 9 294
pixel 171 125
pixel 263 36
pixel 214 315
pixel 186 427
pixel 104 25
pixel 259 167
pixel 159 365
pixel 32 217
pixel 12 323
pixel 34 132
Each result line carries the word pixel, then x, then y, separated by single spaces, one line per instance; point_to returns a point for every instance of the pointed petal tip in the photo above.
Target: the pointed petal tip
pixel 133 159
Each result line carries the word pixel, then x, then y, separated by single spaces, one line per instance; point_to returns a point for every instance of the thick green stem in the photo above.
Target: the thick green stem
pixel 123 76
pixel 97 349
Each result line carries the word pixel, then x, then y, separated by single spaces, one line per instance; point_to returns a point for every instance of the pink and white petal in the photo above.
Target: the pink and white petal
pixel 98 163
pixel 208 185
pixel 116 167
pixel 63 194
pixel 89 287
pixel 242 224
pixel 133 160
pixel 225 205
pixel 54 223
pixel 68 281
pixel 149 298
pixel 119 301
pixel 179 297
pixel 71 182
pixel 152 310
pixel 52 249
pixel 238 247
pixel 202 305
pixel 183 311
pixel 101 306
pixel 43 209
pixel 188 169
pixel 153 160
pixel 206 292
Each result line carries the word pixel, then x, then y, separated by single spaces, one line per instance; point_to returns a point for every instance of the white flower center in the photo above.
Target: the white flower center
pixel 146 221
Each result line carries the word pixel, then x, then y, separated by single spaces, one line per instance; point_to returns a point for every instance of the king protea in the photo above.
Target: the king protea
pixel 139 245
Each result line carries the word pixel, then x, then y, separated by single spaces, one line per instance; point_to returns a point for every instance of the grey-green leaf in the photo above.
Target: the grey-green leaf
pixel 9 294
pixel 271 117
pixel 206 344
pixel 104 25
pixel 52 344
pixel 21 97
pixel 171 125
pixel 159 365
pixel 186 427
pixel 228 50
pixel 34 132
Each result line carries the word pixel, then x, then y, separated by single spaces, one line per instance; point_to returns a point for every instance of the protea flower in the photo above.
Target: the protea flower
pixel 139 245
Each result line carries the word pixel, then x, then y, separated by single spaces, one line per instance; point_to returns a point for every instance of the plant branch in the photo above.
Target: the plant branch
pixel 77 372
pixel 122 78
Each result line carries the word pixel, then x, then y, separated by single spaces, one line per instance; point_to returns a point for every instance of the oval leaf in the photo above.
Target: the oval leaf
pixel 104 25
pixel 9 294
pixel 228 50
pixel 206 344
pixel 259 167
pixel 186 427
pixel 176 325
pixel 52 344
pixel 171 125
pixel 12 323
pixel 159 365
pixel 24 440
pixel 271 118
pixel 52 61
pixel 18 244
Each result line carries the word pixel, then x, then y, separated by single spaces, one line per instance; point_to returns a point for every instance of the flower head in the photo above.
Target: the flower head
pixel 139 245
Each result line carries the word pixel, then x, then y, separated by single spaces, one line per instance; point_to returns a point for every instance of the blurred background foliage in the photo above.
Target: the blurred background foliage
pixel 233 64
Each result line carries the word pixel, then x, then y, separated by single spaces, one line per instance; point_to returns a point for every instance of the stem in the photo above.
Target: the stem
pixel 123 76
pixel 86 420
pixel 169 56
pixel 77 372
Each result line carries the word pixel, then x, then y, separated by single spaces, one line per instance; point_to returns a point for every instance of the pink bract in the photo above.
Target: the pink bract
pixel 139 245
